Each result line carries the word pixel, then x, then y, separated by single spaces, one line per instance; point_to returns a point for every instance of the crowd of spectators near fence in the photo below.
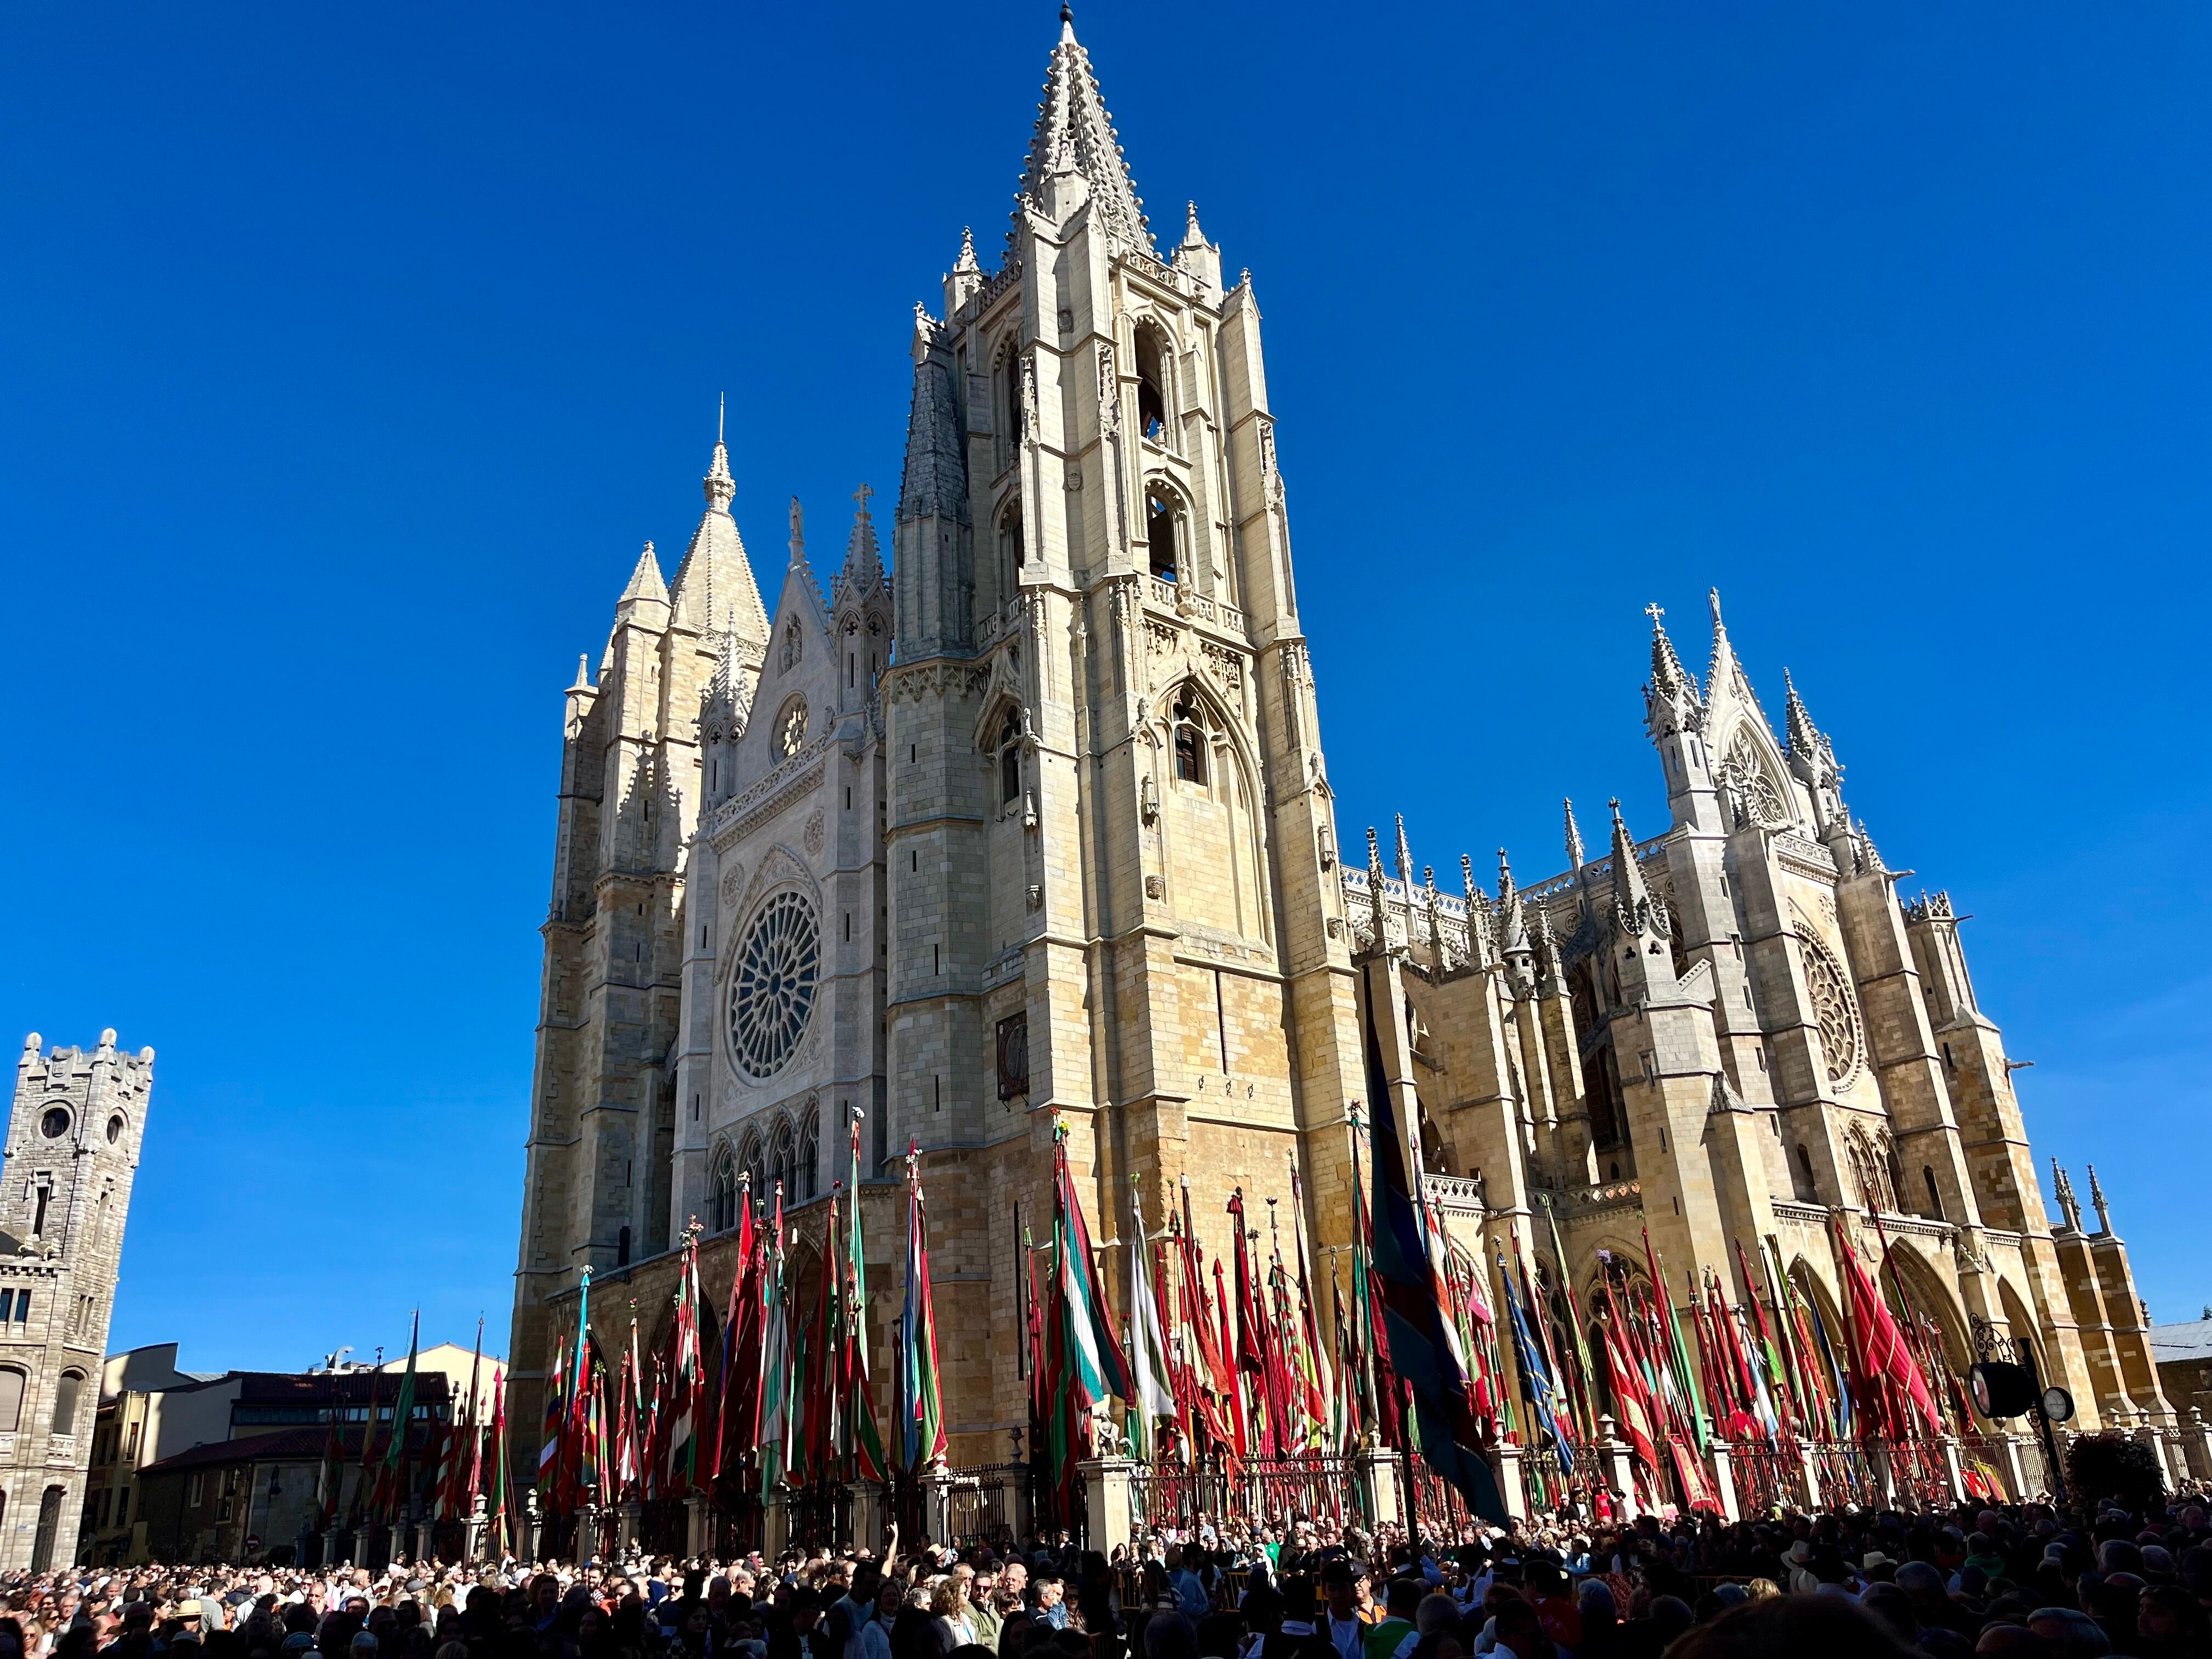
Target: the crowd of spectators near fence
pixel 2013 1581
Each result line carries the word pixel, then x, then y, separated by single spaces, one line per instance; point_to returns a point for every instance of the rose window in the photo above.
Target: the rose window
pixel 1834 1010
pixel 779 966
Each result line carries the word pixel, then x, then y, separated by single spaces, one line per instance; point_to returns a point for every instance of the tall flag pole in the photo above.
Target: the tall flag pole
pixel 331 1478
pixel 571 1479
pixel 1148 1354
pixel 1421 1352
pixel 687 1382
pixel 1085 1358
pixel 365 1486
pixel 869 1462
pixel 1536 1381
pixel 1321 1379
pixel 738 1406
pixel 921 1408
pixel 500 1530
pixel 775 1356
pixel 403 1409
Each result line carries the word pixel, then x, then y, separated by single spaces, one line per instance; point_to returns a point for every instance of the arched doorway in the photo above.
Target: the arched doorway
pixel 49 1522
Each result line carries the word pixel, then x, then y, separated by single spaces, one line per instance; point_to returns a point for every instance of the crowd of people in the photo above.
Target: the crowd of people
pixel 2011 1582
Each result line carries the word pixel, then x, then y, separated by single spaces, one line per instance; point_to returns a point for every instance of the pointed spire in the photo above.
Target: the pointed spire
pixel 1436 917
pixel 1478 944
pixel 1668 678
pixel 1797 723
pixel 1376 887
pixel 1633 905
pixel 1192 236
pixel 1074 133
pixel 715 589
pixel 1405 858
pixel 718 484
pixel 967 260
pixel 1718 669
pixel 862 576
pixel 583 672
pixel 2097 1200
pixel 1512 923
pixel 1575 858
pixel 1548 952
pixel 1868 858
pixel 935 482
pixel 2068 1207
pixel 645 582
pixel 797 540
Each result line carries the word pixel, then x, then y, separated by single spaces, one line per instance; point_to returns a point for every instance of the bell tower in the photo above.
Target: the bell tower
pixel 73 1140
pixel 1110 839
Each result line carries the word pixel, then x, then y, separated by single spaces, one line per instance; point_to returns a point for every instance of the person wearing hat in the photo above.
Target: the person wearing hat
pixel 1341 1621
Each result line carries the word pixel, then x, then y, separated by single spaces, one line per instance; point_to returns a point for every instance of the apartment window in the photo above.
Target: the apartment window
pixel 195 1490
pixel 65 1392
pixel 11 1400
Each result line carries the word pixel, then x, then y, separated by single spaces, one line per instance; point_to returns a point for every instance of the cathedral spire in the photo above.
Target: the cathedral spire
pixel 1575 858
pixel 1436 917
pixel 2097 1199
pixel 2068 1206
pixel 1405 860
pixel 1798 721
pixel 1512 923
pixel 1478 944
pixel 715 590
pixel 1075 135
pixel 1633 905
pixel 1671 702
pixel 863 570
pixel 645 581
pixel 1378 889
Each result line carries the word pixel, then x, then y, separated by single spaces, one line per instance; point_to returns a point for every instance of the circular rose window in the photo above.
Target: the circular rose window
pixel 772 990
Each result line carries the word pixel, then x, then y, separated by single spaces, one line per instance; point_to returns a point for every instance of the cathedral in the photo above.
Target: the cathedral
pixel 1024 819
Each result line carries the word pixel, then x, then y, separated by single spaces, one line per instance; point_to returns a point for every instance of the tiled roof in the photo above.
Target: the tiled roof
pixel 2189 1340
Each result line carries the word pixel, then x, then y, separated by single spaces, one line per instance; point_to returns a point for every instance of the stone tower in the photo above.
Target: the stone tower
pixel 603 1104
pixel 1109 838
pixel 73 1140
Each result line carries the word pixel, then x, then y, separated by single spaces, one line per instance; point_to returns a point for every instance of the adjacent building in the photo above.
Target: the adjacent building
pixel 74 1135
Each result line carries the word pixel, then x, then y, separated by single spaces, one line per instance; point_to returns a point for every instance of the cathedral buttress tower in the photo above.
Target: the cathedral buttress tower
pixel 1109 840
pixel 597 1185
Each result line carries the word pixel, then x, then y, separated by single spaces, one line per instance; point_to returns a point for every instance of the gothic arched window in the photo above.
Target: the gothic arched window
pixel 1808 1190
pixel 810 1153
pixel 1013 552
pixel 781 1169
pixel 1189 740
pixel 1160 533
pixel 1010 760
pixel 754 1163
pixel 1935 1198
pixel 722 1193
pixel 1151 384
pixel 11 1400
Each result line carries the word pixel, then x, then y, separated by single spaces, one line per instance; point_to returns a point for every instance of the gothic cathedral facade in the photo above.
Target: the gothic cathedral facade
pixel 1035 829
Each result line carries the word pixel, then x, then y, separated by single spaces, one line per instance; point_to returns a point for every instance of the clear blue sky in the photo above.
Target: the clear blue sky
pixel 349 356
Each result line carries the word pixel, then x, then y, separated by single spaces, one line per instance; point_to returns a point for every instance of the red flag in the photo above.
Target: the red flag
pixel 1636 1417
pixel 736 1413
pixel 1878 1349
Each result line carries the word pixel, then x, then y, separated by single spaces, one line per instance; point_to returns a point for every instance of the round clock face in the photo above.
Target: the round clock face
pixel 2057 1405
pixel 779 965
